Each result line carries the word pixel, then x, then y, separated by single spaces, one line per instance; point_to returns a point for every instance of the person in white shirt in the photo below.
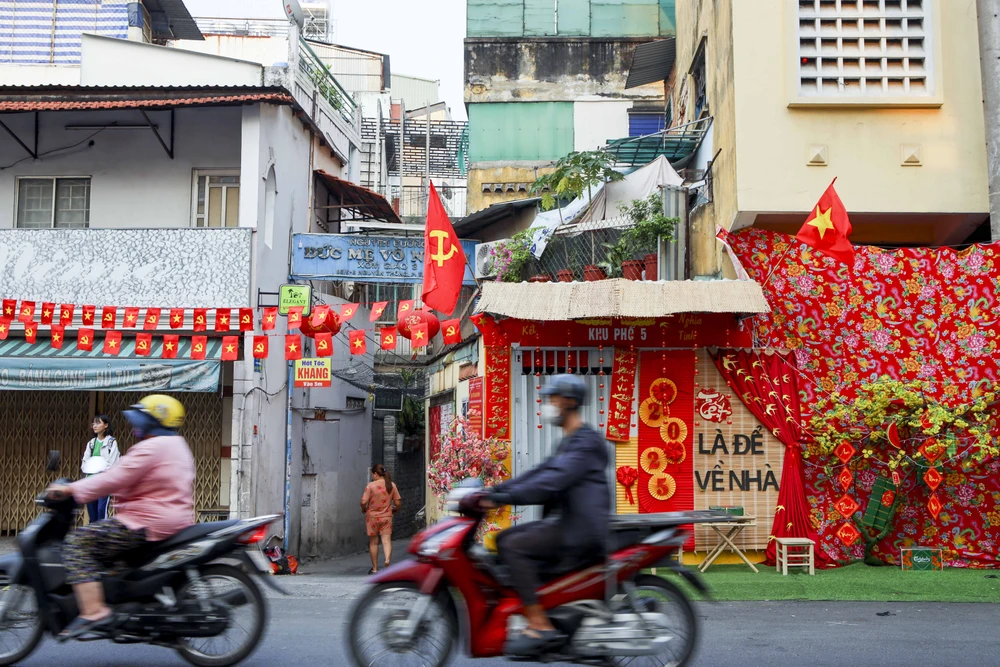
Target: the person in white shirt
pixel 99 455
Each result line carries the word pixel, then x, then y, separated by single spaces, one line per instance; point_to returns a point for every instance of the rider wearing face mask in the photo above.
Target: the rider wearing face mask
pixel 573 487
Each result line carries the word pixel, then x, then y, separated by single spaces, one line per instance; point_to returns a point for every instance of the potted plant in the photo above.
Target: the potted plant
pixel 410 423
pixel 618 257
pixel 565 275
pixel 510 256
pixel 649 225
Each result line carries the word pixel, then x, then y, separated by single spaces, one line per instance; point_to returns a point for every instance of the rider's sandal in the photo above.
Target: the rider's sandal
pixel 371 571
pixel 530 642
pixel 81 626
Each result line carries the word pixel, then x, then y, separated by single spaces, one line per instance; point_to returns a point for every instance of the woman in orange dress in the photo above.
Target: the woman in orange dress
pixel 379 501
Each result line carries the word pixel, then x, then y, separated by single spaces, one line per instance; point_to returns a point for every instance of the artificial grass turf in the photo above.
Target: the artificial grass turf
pixel 854 582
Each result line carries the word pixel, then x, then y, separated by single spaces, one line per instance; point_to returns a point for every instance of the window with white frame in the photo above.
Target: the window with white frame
pixel 51 202
pixel 216 198
pixel 865 48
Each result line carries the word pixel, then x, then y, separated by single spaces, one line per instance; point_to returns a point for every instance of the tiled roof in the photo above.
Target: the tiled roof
pixel 116 101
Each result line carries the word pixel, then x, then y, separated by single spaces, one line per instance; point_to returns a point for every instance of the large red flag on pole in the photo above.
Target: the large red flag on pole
pixel 444 259
pixel 828 229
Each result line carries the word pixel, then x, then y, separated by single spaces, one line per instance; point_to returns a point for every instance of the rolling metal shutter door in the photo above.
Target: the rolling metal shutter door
pixel 642 124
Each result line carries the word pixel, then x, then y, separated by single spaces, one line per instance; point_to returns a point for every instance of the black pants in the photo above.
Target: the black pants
pixel 525 549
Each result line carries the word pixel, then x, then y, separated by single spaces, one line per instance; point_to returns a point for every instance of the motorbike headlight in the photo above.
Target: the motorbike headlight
pixel 432 545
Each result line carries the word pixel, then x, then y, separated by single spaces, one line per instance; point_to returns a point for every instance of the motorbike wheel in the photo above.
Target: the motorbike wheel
pixel 222 580
pixel 372 629
pixel 658 595
pixel 21 628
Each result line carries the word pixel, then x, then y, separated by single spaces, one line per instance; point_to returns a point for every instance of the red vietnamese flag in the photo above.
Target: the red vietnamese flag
pixel 66 314
pixel 108 316
pixel 222 319
pixel 152 319
pixel 199 346
pixel 828 229
pixel 113 342
pixel 4 328
pixel 30 332
pixel 171 343
pixel 358 343
pixel 387 335
pixel 294 317
pixel 293 347
pixel 324 344
pixel 268 321
pixel 27 312
pixel 347 311
pixel 319 315
pixel 405 308
pixel 200 319
pixel 377 310
pixel 451 331
pixel 230 347
pixel 260 347
pixel 131 317
pixel 418 335
pixel 246 319
pixel 58 335
pixel 85 339
pixel 176 318
pixel 143 344
pixel 9 307
pixel 48 310
pixel 88 315
pixel 444 259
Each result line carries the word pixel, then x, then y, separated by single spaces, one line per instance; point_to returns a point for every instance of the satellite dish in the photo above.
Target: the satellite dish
pixel 293 10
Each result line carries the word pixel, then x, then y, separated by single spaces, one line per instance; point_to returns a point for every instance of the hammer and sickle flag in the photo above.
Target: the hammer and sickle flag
pixel 260 347
pixel 230 347
pixel 65 314
pixel 108 316
pixel 451 331
pixel 444 259
pixel 143 343
pixel 85 339
pixel 199 345
pixel 324 344
pixel 200 319
pixel 246 319
pixel 387 335
pixel 30 331
pixel 347 311
pixel 152 319
pixel 27 312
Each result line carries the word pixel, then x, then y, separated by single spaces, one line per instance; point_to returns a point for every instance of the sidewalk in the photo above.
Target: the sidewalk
pixel 356 565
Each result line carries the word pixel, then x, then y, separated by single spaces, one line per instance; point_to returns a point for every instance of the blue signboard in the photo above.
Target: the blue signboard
pixel 367 259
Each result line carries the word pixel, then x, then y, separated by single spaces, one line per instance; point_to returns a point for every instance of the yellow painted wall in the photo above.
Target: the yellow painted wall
pixel 773 135
pixel 478 200
pixel 695 19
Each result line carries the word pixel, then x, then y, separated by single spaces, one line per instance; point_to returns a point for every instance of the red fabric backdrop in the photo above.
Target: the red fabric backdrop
pixel 912 313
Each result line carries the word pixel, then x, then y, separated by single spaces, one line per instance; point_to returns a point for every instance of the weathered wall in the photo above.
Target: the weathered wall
pixel 517 18
pixel 520 131
pixel 713 19
pixel 553 70
pixel 501 172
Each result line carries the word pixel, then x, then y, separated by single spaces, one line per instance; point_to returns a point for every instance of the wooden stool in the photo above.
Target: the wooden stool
pixel 794 551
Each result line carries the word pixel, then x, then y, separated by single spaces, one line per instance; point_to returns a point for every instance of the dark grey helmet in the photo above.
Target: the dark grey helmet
pixel 567 386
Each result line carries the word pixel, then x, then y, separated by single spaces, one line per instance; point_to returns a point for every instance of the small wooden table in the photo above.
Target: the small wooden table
pixel 794 552
pixel 728 531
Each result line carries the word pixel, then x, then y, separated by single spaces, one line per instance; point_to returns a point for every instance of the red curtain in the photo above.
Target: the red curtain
pixel 766 383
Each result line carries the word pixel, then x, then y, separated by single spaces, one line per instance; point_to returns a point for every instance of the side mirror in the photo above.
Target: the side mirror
pixel 54 462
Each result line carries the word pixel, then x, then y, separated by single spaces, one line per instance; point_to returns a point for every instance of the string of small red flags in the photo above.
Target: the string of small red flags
pixel 107 326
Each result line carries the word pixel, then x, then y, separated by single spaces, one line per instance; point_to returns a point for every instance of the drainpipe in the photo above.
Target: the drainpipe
pixel 288 455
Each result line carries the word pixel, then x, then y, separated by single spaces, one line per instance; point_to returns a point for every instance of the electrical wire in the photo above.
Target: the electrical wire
pixel 54 150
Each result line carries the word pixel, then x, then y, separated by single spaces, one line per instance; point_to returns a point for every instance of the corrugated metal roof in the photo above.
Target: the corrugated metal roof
pixel 182 26
pixel 652 62
pixel 366 205
pixel 479 220
pixel 558 302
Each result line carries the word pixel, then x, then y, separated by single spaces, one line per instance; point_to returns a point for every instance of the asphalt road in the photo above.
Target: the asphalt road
pixel 307 629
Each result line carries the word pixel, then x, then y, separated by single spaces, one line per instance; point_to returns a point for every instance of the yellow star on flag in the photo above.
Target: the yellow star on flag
pixel 177 318
pixel 112 343
pixel 56 337
pixel 292 347
pixel 822 221
pixel 230 348
pixel 2 328
pixel 169 346
pixel 418 335
pixel 358 343
pixel 47 313
pixel 9 310
pixel 270 318
pixel 224 319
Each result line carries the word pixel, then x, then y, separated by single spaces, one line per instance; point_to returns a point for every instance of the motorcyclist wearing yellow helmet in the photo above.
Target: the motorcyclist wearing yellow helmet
pixel 153 485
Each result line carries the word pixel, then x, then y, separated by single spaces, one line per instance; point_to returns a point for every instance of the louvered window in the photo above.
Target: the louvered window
pixel 865 48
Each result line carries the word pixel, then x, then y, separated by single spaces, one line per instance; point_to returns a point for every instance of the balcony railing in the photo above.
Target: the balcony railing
pixel 314 75
pixel 411 200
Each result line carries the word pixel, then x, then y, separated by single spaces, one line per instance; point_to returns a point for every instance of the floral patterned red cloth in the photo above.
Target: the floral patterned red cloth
pixel 911 313
pixel 378 517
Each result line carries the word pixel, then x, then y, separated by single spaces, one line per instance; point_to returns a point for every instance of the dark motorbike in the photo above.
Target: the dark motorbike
pixel 611 610
pixel 172 593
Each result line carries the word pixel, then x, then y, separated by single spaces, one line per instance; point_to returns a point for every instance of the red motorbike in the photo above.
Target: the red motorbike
pixel 611 611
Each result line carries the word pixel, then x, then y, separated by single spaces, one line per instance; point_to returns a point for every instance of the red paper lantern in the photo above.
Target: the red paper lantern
pixel 330 325
pixel 418 317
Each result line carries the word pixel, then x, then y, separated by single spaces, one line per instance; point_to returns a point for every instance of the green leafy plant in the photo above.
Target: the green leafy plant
pixel 901 427
pixel 510 256
pixel 649 223
pixel 411 418
pixel 616 255
pixel 575 174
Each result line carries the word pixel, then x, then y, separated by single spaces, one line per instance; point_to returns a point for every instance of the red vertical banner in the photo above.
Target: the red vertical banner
pixel 666 427
pixel 475 415
pixel 496 414
pixel 622 392
pixel 434 427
